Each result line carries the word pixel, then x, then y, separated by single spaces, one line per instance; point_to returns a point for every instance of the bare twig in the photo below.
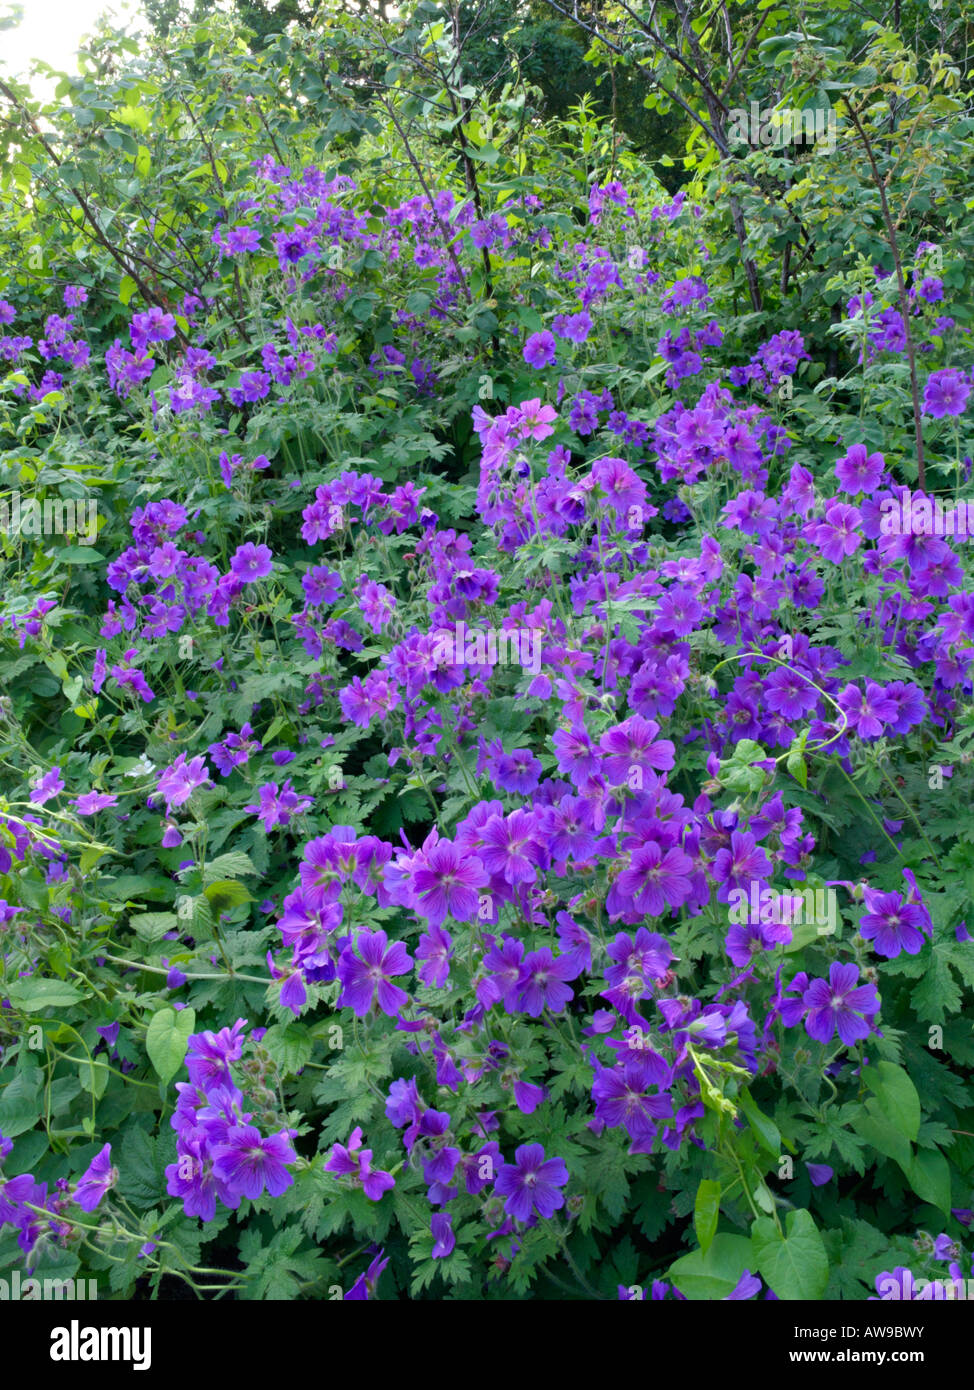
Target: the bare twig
pixel 891 238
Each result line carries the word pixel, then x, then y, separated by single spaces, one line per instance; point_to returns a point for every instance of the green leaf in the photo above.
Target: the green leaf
pixel 152 926
pixel 228 866
pixel 929 1177
pixel 795 761
pixel 167 1039
pixel 880 1134
pixel 765 1129
pixel 225 894
pixel 79 555
pixel 33 994
pixel 20 1104
pixel 706 1211
pixel 141 1167
pixel 794 1264
pixel 714 1274
pixel 362 307
pixel 289 1046
pixel 897 1096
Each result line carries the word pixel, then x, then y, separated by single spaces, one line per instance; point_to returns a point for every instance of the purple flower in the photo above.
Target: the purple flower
pixel 632 747
pixel 89 802
pixel 746 1287
pixel 322 586
pixel 527 1097
pixel 946 393
pixel 248 1162
pixel 837 536
pixel 242 238
pixel 738 866
pixel 434 950
pixel 96 1180
pixel 532 1183
pixel 366 976
pixel 441 1225
pixel 541 984
pixel 511 849
pixel 621 1095
pixel 539 350
pixel 178 782
pixel 50 785
pixel 891 924
pixel 446 884
pixel 858 471
pixel 355 1162
pixel 277 807
pixel 840 1005
pixel 365 1285
pixel 209 1055
pixel 154 326
pixel 251 562
pixel 867 712
pixel 654 879
pixel 254 386
pixel 518 771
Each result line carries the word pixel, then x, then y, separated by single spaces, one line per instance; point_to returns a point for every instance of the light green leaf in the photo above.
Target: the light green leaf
pixel 706 1211
pixel 714 1274
pixel 32 995
pixel 167 1039
pixel 794 1265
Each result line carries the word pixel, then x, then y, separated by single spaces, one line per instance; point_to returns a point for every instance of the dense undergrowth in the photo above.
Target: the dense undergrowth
pixel 485 783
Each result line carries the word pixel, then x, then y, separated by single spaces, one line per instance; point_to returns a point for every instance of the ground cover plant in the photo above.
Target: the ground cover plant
pixel 486 638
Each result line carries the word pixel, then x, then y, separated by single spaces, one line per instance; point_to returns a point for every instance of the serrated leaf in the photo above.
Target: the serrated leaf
pixel 231 865
pixel 289 1045
pixel 152 926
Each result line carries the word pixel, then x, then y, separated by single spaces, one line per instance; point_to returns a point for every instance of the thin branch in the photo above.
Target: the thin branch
pixel 901 289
